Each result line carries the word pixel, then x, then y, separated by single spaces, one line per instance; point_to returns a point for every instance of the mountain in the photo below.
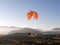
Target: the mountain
pixel 54 31
pixel 12 29
pixel 27 30
pixel 21 34
pixel 5 29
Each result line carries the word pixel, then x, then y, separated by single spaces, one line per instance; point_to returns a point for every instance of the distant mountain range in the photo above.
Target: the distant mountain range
pixel 13 29
pixel 6 29
pixel 55 31
pixel 22 34
pixel 27 30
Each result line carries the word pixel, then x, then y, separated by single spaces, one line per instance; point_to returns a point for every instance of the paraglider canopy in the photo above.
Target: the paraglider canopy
pixel 32 13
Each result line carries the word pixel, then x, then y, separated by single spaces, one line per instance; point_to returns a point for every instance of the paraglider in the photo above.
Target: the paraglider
pixel 32 13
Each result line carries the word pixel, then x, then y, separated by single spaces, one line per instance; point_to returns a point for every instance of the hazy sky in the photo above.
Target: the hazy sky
pixel 13 13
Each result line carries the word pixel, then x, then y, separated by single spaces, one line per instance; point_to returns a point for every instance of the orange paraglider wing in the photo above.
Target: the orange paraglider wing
pixel 32 13
pixel 35 15
pixel 29 15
